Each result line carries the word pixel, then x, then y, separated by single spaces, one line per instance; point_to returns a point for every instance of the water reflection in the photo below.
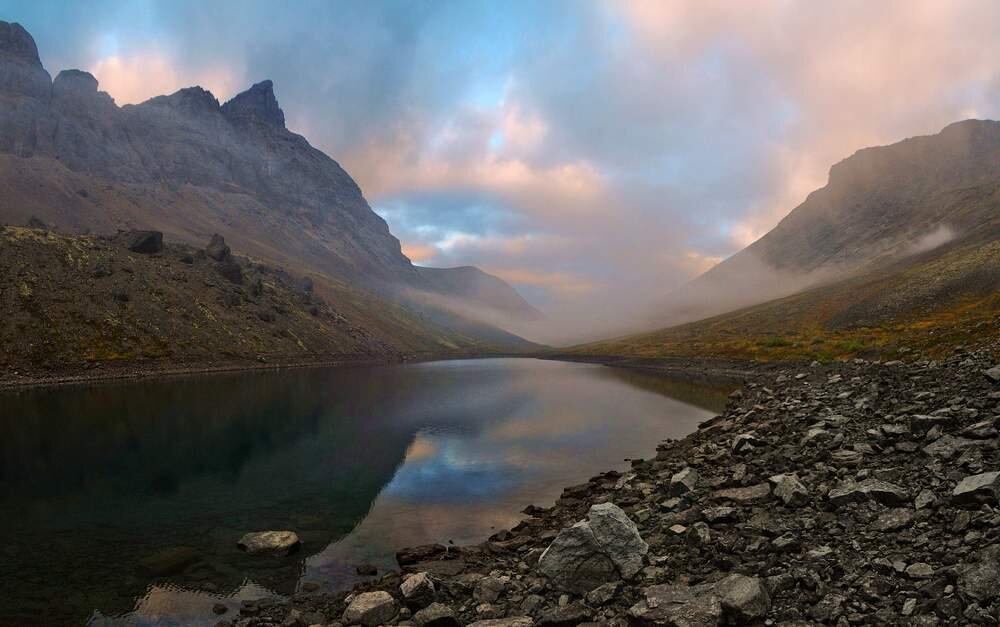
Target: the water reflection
pixel 115 493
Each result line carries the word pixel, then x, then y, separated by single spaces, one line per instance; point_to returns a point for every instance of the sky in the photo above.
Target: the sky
pixel 597 155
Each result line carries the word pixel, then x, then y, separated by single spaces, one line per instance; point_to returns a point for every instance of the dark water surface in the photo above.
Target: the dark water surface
pixel 122 503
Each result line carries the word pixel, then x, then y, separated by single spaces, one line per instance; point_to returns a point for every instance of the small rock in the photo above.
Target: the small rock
pixel 744 599
pixel 488 589
pixel 745 496
pixel 920 570
pixel 684 481
pixel 868 490
pixel 790 490
pixel 370 609
pixel 436 615
pixel 514 621
pixel 418 590
pixel 975 489
pixel 269 543
pixel 602 594
pixel 993 374
pixel 894 519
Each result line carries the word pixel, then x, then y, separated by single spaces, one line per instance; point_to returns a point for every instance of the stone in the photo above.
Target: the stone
pixel 513 621
pixel 230 270
pixel 993 374
pixel 846 457
pixel 926 498
pixel 720 514
pixel 602 595
pixel 684 481
pixel 575 562
pixel 370 609
pixel 569 615
pixel 920 570
pixel 619 538
pixel 744 599
pixel 145 242
pixel 744 496
pixel 981 488
pixel 698 534
pixel 790 490
pixel 418 590
pixel 894 519
pixel 217 248
pixel 423 553
pixel 981 579
pixel 366 570
pixel 746 442
pixel 488 589
pixel 436 615
pixel 868 490
pixel 948 446
pixel 678 604
pixel 269 543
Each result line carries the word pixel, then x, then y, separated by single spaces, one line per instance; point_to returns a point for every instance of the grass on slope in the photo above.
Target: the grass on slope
pixel 925 304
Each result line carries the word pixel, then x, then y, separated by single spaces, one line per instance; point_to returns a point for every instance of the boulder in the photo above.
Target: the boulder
pixel 678 604
pixel 790 490
pixel 370 609
pixel 426 552
pixel 418 590
pixel 975 489
pixel 619 537
pixel 34 223
pixel 868 490
pixel 744 599
pixel 599 550
pixel 217 248
pixel 488 589
pixel 145 242
pixel 436 615
pixel 231 271
pixel 269 542
pixel 575 562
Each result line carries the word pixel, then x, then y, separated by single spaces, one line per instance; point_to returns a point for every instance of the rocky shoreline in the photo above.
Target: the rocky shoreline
pixel 844 494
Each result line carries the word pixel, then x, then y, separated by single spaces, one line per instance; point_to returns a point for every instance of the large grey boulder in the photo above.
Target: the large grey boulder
pixel 269 542
pixel 601 549
pixel 370 609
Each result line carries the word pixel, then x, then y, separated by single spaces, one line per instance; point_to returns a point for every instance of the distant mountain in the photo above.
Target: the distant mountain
pixel 480 289
pixel 188 166
pixel 880 205
pixel 902 246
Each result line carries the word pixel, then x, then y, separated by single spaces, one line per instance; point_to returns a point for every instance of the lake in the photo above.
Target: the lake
pixel 122 503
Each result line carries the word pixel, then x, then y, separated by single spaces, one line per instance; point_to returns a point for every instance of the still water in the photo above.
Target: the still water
pixel 122 503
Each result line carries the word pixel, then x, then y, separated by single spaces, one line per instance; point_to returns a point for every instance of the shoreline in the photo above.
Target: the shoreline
pixel 845 493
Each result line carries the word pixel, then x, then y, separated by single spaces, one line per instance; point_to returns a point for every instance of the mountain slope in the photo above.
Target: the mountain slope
pixel 188 166
pixel 901 249
pixel 880 204
pixel 479 289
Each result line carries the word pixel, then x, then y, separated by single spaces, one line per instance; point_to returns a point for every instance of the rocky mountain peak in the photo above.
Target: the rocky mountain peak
pixel 190 99
pixel 17 43
pixel 256 104
pixel 75 81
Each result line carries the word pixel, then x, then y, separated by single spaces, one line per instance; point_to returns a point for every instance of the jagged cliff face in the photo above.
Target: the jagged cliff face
pixel 185 164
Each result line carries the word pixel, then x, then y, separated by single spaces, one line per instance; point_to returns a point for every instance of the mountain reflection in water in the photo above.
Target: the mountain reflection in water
pixel 126 500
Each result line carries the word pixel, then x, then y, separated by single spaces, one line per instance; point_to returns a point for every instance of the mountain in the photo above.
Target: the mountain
pixel 479 289
pixel 879 205
pixel 900 249
pixel 190 167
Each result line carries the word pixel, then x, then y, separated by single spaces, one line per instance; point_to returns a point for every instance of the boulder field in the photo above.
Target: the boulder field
pixel 851 493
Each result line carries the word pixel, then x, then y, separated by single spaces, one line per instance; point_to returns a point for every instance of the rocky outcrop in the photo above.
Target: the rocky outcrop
pixel 145 242
pixel 256 105
pixel 21 71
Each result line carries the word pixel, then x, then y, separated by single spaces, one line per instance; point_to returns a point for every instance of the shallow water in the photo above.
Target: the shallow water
pixel 122 503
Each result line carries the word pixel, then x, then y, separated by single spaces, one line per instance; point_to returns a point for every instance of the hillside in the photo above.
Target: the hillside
pixel 880 205
pixel 479 289
pixel 79 305
pixel 903 248
pixel 188 166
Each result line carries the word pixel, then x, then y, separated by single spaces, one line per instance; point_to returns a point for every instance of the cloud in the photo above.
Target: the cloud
pixel 622 146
